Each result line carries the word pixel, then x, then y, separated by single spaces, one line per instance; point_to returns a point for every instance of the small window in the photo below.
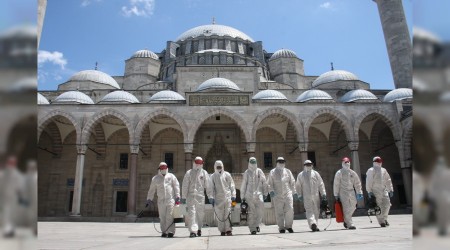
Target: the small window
pixel 268 160
pixel 121 201
pixel 168 158
pixel 123 164
pixel 70 200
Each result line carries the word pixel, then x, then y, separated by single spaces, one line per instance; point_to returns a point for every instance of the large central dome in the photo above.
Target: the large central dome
pixel 213 29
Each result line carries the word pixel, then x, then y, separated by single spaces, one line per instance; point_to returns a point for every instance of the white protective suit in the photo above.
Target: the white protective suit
pixel 309 184
pixel 346 181
pixel 195 183
pixel 379 183
pixel 253 189
pixel 223 189
pixel 167 189
pixel 12 189
pixel 282 182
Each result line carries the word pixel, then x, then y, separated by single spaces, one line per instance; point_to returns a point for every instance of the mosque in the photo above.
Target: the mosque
pixel 212 92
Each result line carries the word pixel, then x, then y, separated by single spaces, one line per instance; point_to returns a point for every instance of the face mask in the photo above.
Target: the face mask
pixel 252 167
pixel 346 165
pixel 219 170
pixel 198 166
pixel 377 165
pixel 163 171
pixel 308 168
pixel 280 165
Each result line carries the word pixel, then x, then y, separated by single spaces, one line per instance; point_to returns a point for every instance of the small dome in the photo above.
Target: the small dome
pixel 219 84
pixel 334 75
pixel 398 94
pixel 41 100
pixel 358 95
pixel 269 94
pixel 95 76
pixel 73 97
pixel 213 29
pixel 167 95
pixel 120 96
pixel 145 54
pixel 313 94
pixel 283 53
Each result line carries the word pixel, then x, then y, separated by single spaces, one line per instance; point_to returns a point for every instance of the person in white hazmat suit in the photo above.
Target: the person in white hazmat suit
pixel 223 193
pixel 346 181
pixel 253 191
pixel 311 190
pixel 195 183
pixel 379 184
pixel 12 188
pixel 282 192
pixel 167 189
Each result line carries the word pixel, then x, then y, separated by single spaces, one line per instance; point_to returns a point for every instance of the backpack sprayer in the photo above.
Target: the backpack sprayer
pixel 325 211
pixel 372 207
pixel 244 210
pixel 178 216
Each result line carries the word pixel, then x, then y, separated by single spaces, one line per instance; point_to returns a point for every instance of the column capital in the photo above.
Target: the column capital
pixel 303 146
pixel 353 145
pixel 251 147
pixel 188 147
pixel 134 149
pixel 81 149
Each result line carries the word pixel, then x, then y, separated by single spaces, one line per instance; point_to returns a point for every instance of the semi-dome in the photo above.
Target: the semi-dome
pixel 219 84
pixel 41 100
pixel 283 53
pixel 73 97
pixel 334 75
pixel 398 94
pixel 269 94
pixel 95 76
pixel 213 30
pixel 313 94
pixel 358 95
pixel 145 54
pixel 119 96
pixel 166 95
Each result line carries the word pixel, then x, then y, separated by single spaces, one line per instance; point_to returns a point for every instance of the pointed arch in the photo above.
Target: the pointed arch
pixel 277 111
pixel 338 117
pixel 47 118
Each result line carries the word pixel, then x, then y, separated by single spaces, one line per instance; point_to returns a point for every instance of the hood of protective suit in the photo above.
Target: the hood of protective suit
pixel 198 163
pixel 252 165
pixel 218 167
pixel 163 168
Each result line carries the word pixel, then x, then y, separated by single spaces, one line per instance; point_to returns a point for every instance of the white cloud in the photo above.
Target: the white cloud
pixel 54 57
pixel 85 3
pixel 325 5
pixel 139 8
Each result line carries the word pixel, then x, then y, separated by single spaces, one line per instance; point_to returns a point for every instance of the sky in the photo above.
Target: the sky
pixel 79 33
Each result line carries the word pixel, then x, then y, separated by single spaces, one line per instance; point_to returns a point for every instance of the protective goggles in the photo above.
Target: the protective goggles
pixel 308 164
pixel 252 161
pixel 281 161
pixel 198 161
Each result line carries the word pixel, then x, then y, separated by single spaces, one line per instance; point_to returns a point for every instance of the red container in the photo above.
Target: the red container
pixel 338 211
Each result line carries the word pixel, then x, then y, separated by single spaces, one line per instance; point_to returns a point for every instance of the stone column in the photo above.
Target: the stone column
pixel 355 165
pixel 406 172
pixel 251 148
pixel 398 41
pixel 188 147
pixel 303 147
pixel 132 181
pixel 78 185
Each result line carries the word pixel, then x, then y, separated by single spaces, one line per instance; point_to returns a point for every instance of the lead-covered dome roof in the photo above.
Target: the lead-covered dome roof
pixel 119 96
pixel 314 94
pixel 213 29
pixel 358 95
pixel 96 77
pixel 218 84
pixel 334 75
pixel 166 95
pixel 269 94
pixel 145 54
pixel 283 53
pixel 73 97
pixel 41 100
pixel 398 94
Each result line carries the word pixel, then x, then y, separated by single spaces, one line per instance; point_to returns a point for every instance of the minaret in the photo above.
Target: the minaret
pixel 42 6
pixel 398 41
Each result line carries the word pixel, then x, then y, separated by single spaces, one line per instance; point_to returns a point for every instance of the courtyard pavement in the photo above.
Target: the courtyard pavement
pixel 94 235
